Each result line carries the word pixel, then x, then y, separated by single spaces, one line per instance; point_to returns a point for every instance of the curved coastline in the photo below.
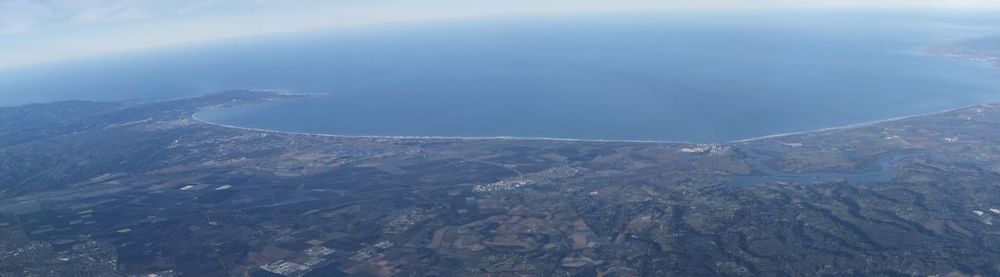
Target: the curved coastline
pixel 854 125
pixel 195 117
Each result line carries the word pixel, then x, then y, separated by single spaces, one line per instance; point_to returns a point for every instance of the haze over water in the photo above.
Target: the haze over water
pixel 707 78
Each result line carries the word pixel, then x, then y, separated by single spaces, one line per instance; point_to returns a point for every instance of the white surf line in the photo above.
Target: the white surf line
pixel 195 117
pixel 855 125
pixel 289 92
pixel 844 127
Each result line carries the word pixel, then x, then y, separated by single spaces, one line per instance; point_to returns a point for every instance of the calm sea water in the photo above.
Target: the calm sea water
pixel 700 78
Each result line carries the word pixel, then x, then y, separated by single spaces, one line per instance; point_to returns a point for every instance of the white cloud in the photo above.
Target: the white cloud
pixel 26 15
pixel 33 31
pixel 110 11
pixel 21 15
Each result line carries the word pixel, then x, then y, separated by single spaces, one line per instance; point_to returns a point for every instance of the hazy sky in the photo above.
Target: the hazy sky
pixel 34 31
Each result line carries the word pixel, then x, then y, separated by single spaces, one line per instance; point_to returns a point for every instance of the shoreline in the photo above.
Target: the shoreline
pixel 923 50
pixel 853 125
pixel 195 117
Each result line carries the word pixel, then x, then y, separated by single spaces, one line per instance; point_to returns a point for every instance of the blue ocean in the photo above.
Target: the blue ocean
pixel 645 76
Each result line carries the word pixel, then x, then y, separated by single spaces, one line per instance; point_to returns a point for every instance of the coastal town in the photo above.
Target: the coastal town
pixel 174 196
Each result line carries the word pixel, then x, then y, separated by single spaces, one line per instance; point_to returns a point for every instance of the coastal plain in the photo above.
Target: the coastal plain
pixel 142 188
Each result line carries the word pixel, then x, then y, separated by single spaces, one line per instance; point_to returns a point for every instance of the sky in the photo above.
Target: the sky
pixel 39 31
